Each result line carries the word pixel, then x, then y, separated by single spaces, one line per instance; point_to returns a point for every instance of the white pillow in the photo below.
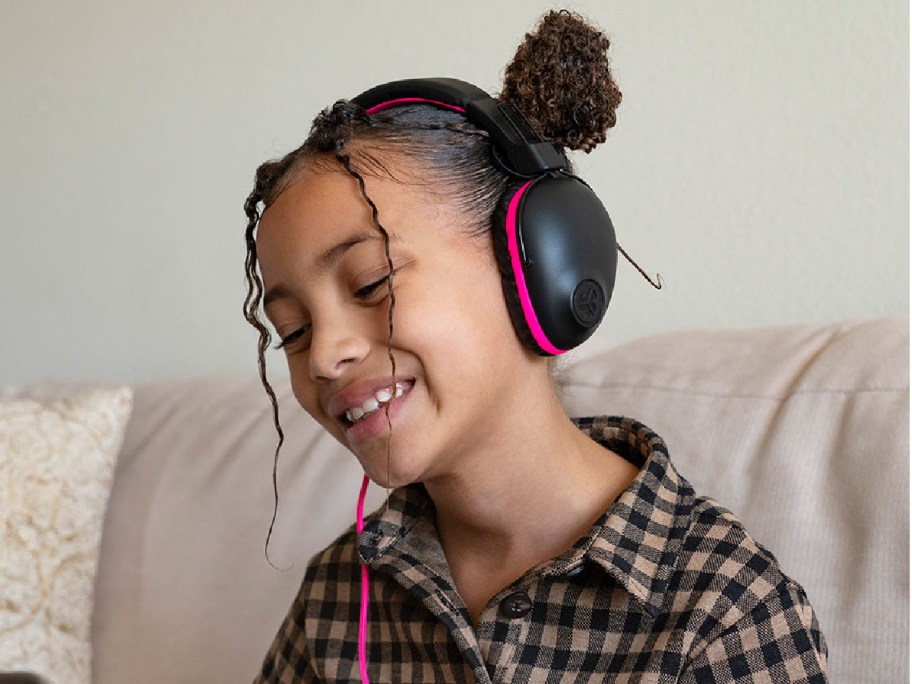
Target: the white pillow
pixel 56 468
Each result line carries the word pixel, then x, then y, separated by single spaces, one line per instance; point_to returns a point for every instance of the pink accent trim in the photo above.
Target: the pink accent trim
pixel 516 261
pixel 411 100
pixel 365 597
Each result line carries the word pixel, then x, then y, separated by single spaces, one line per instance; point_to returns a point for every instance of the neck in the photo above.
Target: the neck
pixel 526 495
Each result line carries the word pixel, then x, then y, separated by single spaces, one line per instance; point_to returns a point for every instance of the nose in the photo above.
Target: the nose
pixel 333 349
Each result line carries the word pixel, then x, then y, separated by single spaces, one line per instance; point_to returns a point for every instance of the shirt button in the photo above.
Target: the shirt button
pixel 516 605
pixel 578 570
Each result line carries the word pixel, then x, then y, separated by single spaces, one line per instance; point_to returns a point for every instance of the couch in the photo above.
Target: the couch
pixel 802 431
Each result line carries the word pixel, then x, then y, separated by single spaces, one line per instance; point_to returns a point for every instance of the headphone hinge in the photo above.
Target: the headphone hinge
pixel 517 147
pixel 535 159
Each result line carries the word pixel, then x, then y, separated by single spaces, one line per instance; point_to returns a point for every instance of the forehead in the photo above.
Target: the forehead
pixel 313 212
pixel 311 199
pixel 320 183
pixel 322 213
pixel 323 205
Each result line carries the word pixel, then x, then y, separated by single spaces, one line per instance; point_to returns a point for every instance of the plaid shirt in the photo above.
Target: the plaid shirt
pixel 665 587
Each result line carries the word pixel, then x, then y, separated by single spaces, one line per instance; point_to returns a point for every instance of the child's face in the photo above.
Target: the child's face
pixel 457 357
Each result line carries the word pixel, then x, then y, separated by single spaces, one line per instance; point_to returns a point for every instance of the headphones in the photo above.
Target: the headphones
pixel 553 238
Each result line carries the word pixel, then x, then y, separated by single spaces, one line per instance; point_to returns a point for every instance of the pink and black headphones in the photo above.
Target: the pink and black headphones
pixel 553 238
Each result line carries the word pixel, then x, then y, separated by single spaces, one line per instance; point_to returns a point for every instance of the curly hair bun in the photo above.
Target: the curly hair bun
pixel 561 80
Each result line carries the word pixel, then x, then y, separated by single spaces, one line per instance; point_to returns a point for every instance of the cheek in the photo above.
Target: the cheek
pixel 301 386
pixel 482 309
pixel 460 322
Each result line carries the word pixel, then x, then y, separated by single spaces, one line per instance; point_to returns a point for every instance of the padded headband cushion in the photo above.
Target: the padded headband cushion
pixel 448 92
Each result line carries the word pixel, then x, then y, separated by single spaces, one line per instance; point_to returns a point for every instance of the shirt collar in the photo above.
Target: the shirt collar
pixel 636 541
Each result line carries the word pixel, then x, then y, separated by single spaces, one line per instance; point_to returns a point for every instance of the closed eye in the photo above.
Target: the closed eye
pixel 291 337
pixel 369 290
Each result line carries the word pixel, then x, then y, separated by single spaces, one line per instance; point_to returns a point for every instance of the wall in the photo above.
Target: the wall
pixel 760 161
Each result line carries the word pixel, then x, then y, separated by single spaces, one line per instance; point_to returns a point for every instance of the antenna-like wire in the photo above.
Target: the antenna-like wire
pixel 657 283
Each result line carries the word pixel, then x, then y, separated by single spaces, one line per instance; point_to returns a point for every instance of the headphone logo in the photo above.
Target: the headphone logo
pixel 588 303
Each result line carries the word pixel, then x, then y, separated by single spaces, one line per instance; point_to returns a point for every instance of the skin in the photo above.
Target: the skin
pixel 480 425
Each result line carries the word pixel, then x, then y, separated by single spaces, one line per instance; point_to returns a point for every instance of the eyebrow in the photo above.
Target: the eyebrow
pixel 328 258
pixel 334 253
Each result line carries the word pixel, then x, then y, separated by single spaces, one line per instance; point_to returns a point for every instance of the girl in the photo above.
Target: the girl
pixel 517 544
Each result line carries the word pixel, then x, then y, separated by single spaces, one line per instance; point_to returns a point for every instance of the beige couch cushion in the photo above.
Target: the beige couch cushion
pixel 803 433
pixel 801 430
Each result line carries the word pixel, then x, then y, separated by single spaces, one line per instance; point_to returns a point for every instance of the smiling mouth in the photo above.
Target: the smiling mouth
pixel 371 405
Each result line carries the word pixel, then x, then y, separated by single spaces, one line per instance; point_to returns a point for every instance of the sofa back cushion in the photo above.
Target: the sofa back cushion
pixel 802 431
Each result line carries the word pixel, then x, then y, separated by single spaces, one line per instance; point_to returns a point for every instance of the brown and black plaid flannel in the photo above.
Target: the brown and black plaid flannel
pixel 665 587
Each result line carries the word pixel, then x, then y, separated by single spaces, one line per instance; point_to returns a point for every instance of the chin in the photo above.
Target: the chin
pixel 399 473
pixel 392 483
pixel 391 480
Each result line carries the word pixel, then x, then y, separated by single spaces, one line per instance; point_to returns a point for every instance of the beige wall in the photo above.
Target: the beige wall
pixel 760 161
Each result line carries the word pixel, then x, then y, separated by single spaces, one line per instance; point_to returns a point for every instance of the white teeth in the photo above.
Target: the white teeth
pixel 373 403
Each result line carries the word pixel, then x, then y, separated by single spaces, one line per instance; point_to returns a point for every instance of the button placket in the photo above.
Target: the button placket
pixel 502 631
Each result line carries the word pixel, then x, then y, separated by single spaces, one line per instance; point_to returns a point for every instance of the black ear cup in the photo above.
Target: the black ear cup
pixel 556 249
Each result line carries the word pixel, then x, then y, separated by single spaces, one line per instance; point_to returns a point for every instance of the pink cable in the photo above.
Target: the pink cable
pixel 362 626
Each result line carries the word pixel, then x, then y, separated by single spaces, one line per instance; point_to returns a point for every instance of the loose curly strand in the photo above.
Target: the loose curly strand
pixel 345 160
pixel 266 176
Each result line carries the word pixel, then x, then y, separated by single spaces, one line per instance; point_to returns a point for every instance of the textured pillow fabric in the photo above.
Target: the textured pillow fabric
pixel 56 469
